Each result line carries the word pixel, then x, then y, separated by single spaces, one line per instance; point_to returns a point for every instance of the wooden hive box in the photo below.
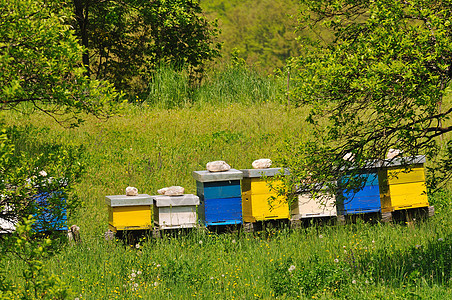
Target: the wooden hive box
pixel 220 197
pixel 50 215
pixel 402 184
pixel 129 212
pixel 307 206
pixel 366 200
pixel 171 212
pixel 259 201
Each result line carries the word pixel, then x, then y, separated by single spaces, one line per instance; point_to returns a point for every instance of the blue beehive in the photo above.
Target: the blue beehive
pixel 366 200
pixel 220 197
pixel 49 217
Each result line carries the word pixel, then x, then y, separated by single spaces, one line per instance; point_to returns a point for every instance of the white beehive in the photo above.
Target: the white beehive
pixel 171 212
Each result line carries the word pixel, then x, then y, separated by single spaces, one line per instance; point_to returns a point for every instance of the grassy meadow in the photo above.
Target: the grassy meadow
pixel 151 147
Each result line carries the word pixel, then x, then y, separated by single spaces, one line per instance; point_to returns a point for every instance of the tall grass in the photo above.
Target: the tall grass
pixel 170 88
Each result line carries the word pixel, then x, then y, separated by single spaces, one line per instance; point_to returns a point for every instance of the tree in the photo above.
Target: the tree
pixel 41 70
pixel 375 75
pixel 125 40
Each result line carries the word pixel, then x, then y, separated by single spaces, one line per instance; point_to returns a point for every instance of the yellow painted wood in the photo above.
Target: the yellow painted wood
pixel 247 208
pixel 408 194
pixel 258 208
pixel 259 186
pixel 402 190
pixel 130 217
pixel 397 175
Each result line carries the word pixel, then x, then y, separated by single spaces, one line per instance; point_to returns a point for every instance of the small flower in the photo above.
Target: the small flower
pixel 137 246
pixel 354 281
pixel 200 242
pixel 158 265
pixel 373 242
pixel 138 272
pixel 233 241
pixel 135 285
pixel 156 284
pixel 336 260
pixel 344 247
pixel 367 281
pixel 291 268
pixel 320 236
pixel 418 246
pixel 440 239
pixel 133 275
pixel 211 278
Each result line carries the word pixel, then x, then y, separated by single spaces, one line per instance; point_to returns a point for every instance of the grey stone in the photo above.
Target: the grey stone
pixel 262 163
pixel 218 166
pixel 131 191
pixel 172 191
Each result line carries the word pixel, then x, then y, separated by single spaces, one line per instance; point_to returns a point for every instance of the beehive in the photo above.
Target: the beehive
pixel 402 184
pixel 308 206
pixel 129 212
pixel 220 197
pixel 366 200
pixel 172 212
pixel 50 215
pixel 260 202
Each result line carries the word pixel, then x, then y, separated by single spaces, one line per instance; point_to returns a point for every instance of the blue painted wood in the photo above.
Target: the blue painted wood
pixel 363 201
pixel 49 217
pixel 219 189
pixel 223 211
pixel 371 178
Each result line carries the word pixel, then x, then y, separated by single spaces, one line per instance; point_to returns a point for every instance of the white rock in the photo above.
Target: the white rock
pixel 262 163
pixel 393 153
pixel 217 166
pixel 172 191
pixel 131 191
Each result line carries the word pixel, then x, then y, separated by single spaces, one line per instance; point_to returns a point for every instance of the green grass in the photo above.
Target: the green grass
pixel 151 148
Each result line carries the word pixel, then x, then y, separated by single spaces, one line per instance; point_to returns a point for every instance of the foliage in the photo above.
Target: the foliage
pixel 39 283
pixel 37 181
pixel 126 40
pixel 263 30
pixel 375 76
pixel 40 65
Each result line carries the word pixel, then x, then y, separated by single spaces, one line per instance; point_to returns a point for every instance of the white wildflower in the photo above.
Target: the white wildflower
pixel 354 281
pixel 336 260
pixel 291 268
pixel 440 239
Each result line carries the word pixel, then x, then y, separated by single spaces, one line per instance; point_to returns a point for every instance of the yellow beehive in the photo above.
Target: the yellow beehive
pixel 129 212
pixel 402 184
pixel 259 202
